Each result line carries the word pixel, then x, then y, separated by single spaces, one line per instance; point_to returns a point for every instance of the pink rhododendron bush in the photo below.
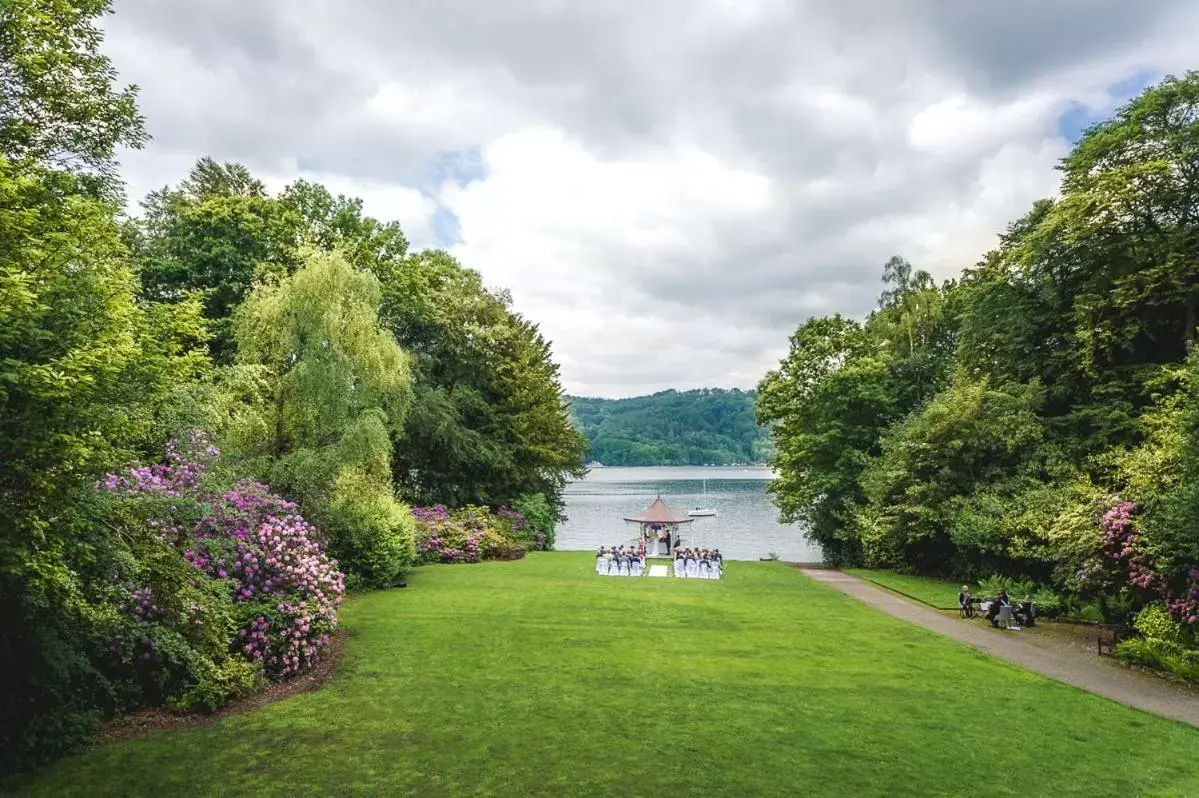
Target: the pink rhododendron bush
pixel 227 584
pixel 1167 624
pixel 469 534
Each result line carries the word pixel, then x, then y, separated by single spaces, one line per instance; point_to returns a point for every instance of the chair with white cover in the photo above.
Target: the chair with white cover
pixel 1004 618
pixel 601 566
pixel 680 569
pixel 636 567
pixel 623 567
pixel 692 569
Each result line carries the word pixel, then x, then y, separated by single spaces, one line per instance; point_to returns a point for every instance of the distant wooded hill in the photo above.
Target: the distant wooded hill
pixel 709 426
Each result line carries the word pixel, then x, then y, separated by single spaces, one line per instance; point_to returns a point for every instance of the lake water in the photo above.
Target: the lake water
pixel 746 526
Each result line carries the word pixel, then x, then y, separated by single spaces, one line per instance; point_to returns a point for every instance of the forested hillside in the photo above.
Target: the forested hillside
pixel 1037 418
pixel 708 426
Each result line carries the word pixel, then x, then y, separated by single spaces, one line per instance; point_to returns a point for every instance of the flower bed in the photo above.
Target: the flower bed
pixel 468 534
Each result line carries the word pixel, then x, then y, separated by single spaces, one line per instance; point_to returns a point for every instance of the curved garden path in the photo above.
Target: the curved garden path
pixel 1089 672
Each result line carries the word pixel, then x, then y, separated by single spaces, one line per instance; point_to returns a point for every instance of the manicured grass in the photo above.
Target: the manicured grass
pixel 539 678
pixel 939 593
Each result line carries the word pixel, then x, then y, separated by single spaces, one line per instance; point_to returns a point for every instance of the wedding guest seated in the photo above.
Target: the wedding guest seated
pixel 1001 600
pixel 966 602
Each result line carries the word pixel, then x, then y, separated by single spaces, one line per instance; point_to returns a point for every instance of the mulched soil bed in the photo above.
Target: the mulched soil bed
pixel 145 721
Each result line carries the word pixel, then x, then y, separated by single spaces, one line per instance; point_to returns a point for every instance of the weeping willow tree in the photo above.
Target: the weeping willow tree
pixel 318 390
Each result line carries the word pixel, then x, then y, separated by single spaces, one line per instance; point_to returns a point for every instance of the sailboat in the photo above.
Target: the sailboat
pixel 700 511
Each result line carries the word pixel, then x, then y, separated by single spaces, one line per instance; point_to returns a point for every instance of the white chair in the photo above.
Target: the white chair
pixel 624 567
pixel 680 569
pixel 637 567
pixel 716 570
pixel 692 569
pixel 1004 618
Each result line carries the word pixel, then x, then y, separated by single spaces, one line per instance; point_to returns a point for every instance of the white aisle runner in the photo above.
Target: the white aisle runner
pixel 659 570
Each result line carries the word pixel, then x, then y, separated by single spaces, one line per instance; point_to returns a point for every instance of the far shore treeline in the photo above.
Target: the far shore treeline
pixel 214 416
pixel 707 426
pixel 1037 418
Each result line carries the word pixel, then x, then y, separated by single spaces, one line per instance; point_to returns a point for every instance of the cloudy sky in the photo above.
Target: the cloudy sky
pixel 669 187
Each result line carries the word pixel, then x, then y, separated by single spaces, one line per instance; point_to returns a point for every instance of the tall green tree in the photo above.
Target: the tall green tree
pixel 490 422
pixel 319 389
pixel 215 236
pixel 84 366
pixel 829 401
pixel 59 107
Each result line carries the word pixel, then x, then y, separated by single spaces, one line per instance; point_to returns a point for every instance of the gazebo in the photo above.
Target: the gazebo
pixel 660 525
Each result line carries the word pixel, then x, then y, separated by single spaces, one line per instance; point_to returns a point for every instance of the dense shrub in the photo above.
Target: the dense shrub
pixel 1185 608
pixel 248 546
pixel 180 587
pixel 469 534
pixel 537 520
pixel 1161 654
pixel 1164 643
pixel 372 534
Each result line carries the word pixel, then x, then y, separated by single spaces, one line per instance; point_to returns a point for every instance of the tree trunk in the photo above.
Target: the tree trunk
pixel 1192 319
pixel 280 443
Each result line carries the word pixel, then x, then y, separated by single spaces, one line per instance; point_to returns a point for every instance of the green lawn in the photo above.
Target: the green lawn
pixel 940 593
pixel 539 678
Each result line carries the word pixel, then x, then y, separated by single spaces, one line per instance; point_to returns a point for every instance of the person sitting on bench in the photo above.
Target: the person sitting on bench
pixel 1001 600
pixel 965 602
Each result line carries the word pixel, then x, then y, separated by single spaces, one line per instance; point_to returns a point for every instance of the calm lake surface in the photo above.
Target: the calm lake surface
pixel 746 526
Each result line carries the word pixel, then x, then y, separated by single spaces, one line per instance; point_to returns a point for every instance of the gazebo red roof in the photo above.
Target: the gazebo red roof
pixel 659 513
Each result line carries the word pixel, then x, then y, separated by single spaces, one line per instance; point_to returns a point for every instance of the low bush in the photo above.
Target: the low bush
pixel 1162 655
pixel 1017 589
pixel 533 520
pixel 372 534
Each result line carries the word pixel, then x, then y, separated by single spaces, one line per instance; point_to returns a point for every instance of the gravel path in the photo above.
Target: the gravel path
pixel 1088 672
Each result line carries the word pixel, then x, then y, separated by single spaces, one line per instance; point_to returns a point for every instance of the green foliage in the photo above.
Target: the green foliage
pixel 1012 408
pixel 932 463
pixel 489 422
pixel 371 534
pixel 85 370
pixel 701 427
pixel 317 392
pixel 828 402
pixel 1155 623
pixel 540 519
pixel 214 237
pixel 58 106
pixel 1161 654
pixel 1017 589
pixel 81 363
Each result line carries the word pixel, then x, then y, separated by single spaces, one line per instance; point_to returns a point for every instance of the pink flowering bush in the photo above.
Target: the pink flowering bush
pixel 467 535
pixel 1185 608
pixel 1124 563
pixel 261 590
